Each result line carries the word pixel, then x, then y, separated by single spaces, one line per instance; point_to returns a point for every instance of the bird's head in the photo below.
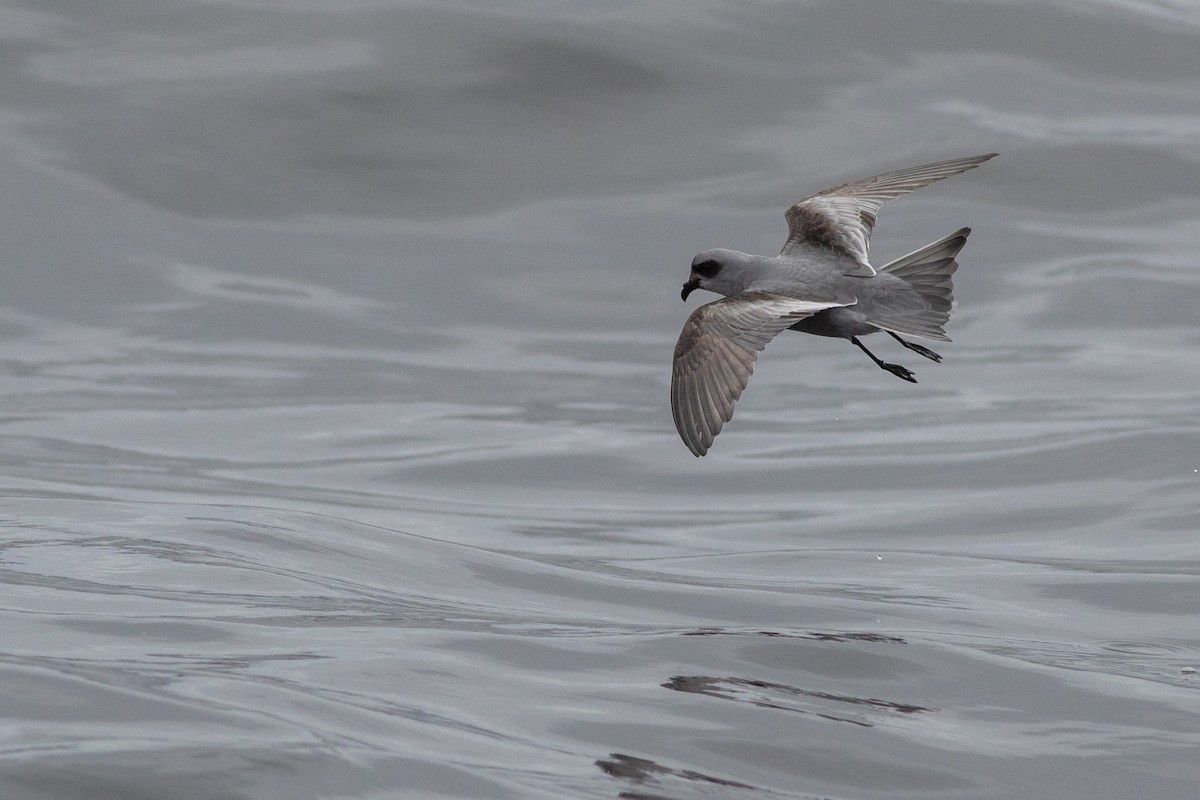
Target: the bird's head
pixel 716 271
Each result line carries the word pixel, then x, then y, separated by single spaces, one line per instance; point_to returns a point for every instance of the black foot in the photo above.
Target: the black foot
pixel 899 372
pixel 895 369
pixel 925 351
pixel 916 348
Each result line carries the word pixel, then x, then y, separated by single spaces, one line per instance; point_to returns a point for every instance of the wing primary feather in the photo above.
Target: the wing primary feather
pixel 841 218
pixel 715 355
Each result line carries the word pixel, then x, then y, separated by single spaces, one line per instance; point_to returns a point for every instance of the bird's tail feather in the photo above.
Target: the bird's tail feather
pixel 928 271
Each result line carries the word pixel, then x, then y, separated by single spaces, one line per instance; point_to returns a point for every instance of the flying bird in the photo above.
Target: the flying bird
pixel 821 283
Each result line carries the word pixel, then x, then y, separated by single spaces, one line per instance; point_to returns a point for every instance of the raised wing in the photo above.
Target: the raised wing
pixel 715 357
pixel 841 218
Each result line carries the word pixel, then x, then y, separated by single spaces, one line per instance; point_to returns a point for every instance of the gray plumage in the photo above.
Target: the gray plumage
pixel 821 283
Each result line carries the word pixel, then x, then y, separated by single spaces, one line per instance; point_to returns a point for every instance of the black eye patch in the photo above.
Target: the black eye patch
pixel 707 269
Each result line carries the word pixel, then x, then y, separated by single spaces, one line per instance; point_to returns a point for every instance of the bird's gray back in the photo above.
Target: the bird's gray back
pixel 881 296
pixel 807 278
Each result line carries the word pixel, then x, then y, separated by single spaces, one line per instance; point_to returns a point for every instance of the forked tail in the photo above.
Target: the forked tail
pixel 928 271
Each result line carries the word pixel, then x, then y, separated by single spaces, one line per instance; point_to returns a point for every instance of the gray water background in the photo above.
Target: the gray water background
pixel 337 457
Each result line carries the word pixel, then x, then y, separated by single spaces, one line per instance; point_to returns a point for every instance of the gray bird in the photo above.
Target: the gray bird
pixel 821 283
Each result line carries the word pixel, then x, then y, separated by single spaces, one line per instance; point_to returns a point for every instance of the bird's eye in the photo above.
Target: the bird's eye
pixel 707 269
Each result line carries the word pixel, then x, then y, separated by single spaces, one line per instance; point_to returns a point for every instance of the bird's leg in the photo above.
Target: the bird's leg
pixel 916 348
pixel 895 369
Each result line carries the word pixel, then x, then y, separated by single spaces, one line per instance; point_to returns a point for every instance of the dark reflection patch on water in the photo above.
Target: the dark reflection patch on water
pixel 816 636
pixel 641 770
pixel 787 698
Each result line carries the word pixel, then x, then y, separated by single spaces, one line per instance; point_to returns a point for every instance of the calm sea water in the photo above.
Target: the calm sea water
pixel 337 455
